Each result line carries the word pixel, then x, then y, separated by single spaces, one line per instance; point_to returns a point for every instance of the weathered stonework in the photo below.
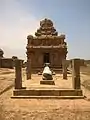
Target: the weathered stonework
pixel 6 63
pixel 28 69
pixel 76 73
pixel 46 47
pixel 16 58
pixel 64 64
pixel 18 74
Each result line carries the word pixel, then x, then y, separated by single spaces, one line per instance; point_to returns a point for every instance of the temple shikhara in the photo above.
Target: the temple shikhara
pixel 46 47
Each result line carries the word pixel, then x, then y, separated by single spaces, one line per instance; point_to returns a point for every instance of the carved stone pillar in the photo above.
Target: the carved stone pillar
pixel 18 74
pixel 76 73
pixel 28 69
pixel 64 64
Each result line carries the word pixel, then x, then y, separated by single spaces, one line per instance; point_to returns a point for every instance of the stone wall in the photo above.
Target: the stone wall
pixel 6 63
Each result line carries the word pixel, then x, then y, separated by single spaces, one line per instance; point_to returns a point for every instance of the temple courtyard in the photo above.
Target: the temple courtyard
pixel 48 87
pixel 43 109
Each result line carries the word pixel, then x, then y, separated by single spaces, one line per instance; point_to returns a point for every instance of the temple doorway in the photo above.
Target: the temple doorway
pixel 46 58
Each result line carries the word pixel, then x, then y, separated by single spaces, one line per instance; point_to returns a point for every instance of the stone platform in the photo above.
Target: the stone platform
pixel 61 90
pixel 48 93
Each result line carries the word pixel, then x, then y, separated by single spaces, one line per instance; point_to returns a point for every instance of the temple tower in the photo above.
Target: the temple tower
pixel 46 47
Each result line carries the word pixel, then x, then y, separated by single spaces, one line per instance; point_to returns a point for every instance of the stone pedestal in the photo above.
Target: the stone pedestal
pixel 18 74
pixel 64 63
pixel 76 73
pixel 47 82
pixel 28 69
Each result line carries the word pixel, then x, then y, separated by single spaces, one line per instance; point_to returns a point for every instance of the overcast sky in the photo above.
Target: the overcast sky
pixel 19 18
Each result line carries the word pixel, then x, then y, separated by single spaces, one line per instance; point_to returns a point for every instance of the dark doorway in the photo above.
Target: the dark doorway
pixel 46 58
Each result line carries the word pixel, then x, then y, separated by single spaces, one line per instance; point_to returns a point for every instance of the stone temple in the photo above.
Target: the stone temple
pixel 46 47
pixel 46 53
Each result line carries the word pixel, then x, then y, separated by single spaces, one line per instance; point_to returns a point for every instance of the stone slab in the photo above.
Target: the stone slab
pixel 47 82
pixel 47 92
pixel 48 97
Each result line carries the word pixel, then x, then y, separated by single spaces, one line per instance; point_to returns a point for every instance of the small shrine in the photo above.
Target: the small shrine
pixel 46 47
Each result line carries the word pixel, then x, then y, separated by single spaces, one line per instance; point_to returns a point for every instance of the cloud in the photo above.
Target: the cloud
pixel 15 24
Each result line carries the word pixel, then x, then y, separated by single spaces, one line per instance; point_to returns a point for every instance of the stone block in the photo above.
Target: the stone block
pixel 18 74
pixel 64 63
pixel 76 73
pixel 47 82
pixel 52 92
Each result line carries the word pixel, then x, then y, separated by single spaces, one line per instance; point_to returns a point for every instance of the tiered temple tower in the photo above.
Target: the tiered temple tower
pixel 46 47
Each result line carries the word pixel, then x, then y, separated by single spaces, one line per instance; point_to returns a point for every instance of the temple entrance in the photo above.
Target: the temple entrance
pixel 46 58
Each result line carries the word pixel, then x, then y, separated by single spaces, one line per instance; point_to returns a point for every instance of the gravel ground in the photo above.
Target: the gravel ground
pixel 38 109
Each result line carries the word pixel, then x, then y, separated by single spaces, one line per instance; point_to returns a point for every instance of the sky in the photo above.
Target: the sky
pixel 19 18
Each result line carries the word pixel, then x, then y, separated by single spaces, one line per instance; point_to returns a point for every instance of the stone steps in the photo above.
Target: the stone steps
pixel 48 97
pixel 47 92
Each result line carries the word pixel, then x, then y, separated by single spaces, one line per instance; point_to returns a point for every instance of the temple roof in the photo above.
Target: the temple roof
pixel 46 28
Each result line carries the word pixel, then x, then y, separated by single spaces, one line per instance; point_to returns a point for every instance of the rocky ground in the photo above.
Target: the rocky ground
pixel 43 109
